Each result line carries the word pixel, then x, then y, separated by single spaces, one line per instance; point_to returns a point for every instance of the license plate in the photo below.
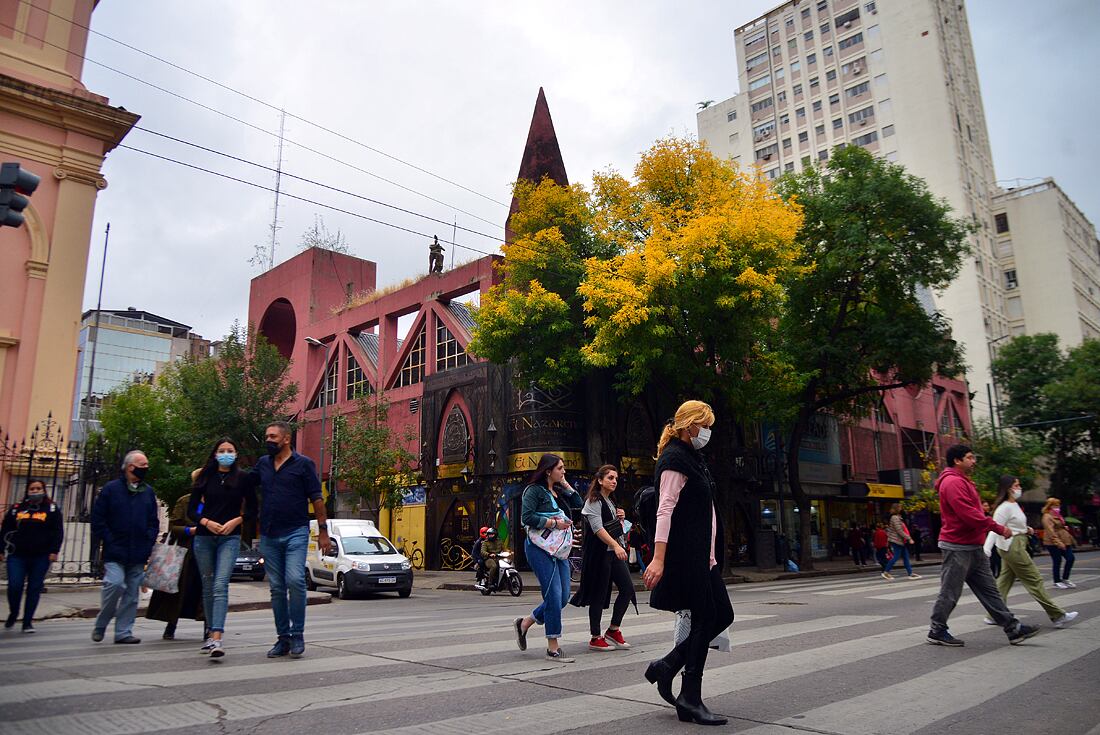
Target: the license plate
pixel 246 567
pixel 387 580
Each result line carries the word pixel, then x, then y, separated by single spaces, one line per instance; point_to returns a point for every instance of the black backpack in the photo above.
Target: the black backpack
pixel 645 510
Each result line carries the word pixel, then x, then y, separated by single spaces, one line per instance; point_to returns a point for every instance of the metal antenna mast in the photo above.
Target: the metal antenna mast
pixel 278 183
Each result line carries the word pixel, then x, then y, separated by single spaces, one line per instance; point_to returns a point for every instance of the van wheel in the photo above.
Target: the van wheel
pixel 405 592
pixel 341 588
pixel 310 584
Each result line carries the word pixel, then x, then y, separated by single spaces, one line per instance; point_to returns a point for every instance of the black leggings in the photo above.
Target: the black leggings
pixel 619 574
pixel 707 621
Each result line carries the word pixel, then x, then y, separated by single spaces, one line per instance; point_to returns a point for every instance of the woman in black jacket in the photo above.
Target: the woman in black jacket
pixel 30 539
pixel 187 601
pixel 603 562
pixel 685 573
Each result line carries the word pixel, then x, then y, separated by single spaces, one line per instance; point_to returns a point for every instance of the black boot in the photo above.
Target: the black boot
pixel 689 705
pixel 169 632
pixel 663 671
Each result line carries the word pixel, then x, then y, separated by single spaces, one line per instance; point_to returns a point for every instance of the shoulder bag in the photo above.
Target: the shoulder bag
pixel 162 572
pixel 557 542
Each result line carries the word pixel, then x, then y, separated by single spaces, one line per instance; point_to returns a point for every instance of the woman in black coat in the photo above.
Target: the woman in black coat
pixel 187 602
pixel 603 561
pixel 685 573
pixel 30 539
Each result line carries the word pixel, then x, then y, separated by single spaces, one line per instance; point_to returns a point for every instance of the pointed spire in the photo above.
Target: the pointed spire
pixel 541 155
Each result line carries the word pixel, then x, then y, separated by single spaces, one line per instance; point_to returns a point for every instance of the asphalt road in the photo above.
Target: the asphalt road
pixel 830 655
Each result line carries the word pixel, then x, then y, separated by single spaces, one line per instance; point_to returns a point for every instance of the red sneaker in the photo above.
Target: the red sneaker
pixel 599 644
pixel 615 638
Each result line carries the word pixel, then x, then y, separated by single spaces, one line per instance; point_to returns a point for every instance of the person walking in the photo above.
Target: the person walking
pixel 855 545
pixel 124 516
pixel 918 538
pixel 881 543
pixel 962 534
pixel 994 556
pixel 542 511
pixel 289 483
pixel 30 540
pixel 897 535
pixel 684 573
pixel 1017 564
pixel 222 500
pixel 187 601
pixel 1059 542
pixel 604 562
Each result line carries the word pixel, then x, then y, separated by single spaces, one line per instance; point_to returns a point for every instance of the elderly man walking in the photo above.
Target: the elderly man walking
pixel 125 518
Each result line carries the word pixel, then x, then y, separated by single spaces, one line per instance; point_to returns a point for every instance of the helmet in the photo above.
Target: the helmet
pixel 492 533
pixel 484 531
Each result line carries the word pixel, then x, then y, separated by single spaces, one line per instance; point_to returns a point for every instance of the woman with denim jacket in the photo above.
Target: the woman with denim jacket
pixel 548 503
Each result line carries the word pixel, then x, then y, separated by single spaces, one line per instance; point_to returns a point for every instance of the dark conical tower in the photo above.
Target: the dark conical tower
pixel 541 155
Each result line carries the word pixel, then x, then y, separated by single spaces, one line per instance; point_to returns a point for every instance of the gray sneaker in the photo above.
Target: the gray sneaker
pixel 208 646
pixel 559 656
pixel 216 650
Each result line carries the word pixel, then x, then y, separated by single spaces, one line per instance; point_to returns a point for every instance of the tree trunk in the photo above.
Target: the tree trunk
pixel 802 501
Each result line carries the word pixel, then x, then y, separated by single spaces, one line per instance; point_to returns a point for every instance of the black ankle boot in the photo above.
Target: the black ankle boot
pixel 662 672
pixel 689 705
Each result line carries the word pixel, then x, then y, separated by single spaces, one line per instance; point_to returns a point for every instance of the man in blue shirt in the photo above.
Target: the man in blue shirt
pixel 288 483
pixel 125 517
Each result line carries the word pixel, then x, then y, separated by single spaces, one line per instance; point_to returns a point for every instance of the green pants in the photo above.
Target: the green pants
pixel 1016 564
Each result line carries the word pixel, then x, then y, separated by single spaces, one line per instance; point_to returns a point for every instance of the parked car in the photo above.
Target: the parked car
pixel 361 560
pixel 249 564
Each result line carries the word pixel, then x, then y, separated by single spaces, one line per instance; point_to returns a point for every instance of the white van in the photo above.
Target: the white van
pixel 361 560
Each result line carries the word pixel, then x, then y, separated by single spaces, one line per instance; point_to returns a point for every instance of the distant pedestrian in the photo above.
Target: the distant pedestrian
pixel 1059 542
pixel 289 484
pixel 223 499
pixel 30 540
pixel 855 544
pixel 881 543
pixel 125 517
pixel 961 538
pixel 994 556
pixel 897 534
pixel 915 532
pixel 548 502
pixel 186 602
pixel 604 562
pixel 638 545
pixel 1017 563
pixel 685 573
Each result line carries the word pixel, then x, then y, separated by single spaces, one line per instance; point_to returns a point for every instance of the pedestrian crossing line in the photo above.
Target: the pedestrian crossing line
pixel 335 695
pixel 805 586
pixel 954 688
pixel 1066 602
pixel 913 587
pixel 640 699
pixel 907 594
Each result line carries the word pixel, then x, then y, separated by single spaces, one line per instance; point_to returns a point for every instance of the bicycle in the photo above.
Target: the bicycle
pixel 415 556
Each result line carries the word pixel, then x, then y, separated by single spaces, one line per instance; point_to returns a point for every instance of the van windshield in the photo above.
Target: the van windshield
pixel 366 545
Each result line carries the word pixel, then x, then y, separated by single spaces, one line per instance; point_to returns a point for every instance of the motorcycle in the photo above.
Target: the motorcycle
pixel 507 577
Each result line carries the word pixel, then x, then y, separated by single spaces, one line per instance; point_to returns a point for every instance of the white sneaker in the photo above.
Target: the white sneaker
pixel 887 575
pixel 1061 585
pixel 914 576
pixel 208 646
pixel 989 621
pixel 1069 584
pixel 216 650
pixel 1065 620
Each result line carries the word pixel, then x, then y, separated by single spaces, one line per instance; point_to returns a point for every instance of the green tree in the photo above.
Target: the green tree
pixel 854 325
pixel 1005 452
pixel 371 458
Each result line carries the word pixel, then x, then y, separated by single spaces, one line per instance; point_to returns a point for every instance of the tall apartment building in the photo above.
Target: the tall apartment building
pixel 130 345
pixel 1044 244
pixel 897 78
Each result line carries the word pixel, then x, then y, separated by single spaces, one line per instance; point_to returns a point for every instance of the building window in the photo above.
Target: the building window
pixel 850 41
pixel 448 352
pixel 765 153
pixel 781 96
pixel 859 89
pixel 797 89
pixel 412 371
pixel 789 23
pixel 777 51
pixel 805 12
pixel 825 28
pixel 788 166
pixel 1001 222
pixel 756 60
pixel 822 5
pixel 358 385
pixel 763 131
pixel 822 155
pixel 761 105
pixel 838 123
pixel 834 99
pixel 755 38
pixel 784 119
pixel 867 139
pixel 811 59
pixel 326 396
pixel 830 75
pixel 1010 279
pixel 800 113
pixel 820 130
pixel 813 83
pixel 760 83
pixel 846 19
pixel 786 143
pixel 867 113
pixel 827 52
pixel 870 8
pixel 817 105
pixel 887 131
pixel 773 173
pixel 779 73
pixel 795 66
pixel 803 137
pixel 808 36
pixel 731 115
pixel 792 45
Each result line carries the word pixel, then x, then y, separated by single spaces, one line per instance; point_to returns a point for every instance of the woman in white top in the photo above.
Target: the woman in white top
pixel 1016 563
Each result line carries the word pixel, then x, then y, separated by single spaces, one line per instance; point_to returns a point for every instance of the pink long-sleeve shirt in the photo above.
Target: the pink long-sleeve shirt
pixel 672 483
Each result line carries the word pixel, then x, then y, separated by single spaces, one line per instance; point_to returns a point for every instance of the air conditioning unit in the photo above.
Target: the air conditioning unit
pixel 767 133
pixel 767 156
pixel 847 24
pixel 857 70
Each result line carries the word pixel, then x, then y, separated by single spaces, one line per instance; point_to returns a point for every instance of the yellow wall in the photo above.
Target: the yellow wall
pixel 407 525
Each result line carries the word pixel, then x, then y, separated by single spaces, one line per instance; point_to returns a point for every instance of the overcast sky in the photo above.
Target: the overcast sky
pixel 450 87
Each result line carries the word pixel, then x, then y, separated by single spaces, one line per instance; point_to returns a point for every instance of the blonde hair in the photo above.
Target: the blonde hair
pixel 688 414
pixel 1051 502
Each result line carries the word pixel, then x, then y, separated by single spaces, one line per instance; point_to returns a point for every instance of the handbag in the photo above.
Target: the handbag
pixel 721 642
pixel 165 565
pixel 557 542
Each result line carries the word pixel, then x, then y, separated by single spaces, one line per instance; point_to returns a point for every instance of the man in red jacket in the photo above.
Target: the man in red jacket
pixel 962 533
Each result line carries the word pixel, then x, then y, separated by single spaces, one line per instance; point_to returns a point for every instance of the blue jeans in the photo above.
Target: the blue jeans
pixel 121 587
pixel 553 576
pixel 29 570
pixel 899 550
pixel 285 561
pixel 215 556
pixel 1056 556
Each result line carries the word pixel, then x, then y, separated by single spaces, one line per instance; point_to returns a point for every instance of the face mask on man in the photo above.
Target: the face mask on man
pixel 273 448
pixel 700 440
pixel 226 459
pixel 139 472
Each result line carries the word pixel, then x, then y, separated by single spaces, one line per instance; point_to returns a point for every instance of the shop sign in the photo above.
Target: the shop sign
pixel 878 490
pixel 528 461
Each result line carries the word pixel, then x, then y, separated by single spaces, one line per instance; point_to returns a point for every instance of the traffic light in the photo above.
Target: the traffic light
pixel 14 183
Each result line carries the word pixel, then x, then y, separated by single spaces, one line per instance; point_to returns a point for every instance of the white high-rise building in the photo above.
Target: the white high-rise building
pixel 896 77
pixel 1050 263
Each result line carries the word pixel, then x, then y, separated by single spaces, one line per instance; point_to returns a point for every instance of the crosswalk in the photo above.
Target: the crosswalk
pixel 450 665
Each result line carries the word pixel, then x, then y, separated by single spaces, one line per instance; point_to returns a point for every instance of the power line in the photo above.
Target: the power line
pixel 257 128
pixel 259 101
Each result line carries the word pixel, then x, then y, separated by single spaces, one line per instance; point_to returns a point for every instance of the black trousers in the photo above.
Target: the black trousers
pixel 618 573
pixel 707 621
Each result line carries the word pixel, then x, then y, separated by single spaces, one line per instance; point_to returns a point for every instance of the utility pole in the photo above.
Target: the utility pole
pixel 91 363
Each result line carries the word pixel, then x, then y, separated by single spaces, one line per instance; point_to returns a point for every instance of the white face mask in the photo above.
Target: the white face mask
pixel 1016 493
pixel 700 440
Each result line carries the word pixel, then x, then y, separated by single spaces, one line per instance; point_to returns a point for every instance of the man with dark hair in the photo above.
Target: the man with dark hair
pixel 962 535
pixel 289 483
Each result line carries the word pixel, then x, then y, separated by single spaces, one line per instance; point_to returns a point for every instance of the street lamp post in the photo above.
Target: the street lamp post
pixel 991 392
pixel 324 401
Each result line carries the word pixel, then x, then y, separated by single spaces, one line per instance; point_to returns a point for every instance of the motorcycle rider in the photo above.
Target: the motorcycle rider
pixel 479 557
pixel 489 550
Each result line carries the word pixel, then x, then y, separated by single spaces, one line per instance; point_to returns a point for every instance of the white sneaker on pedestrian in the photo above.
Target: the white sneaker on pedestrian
pixel 208 646
pixel 989 621
pixel 914 575
pixel 1061 585
pixel 887 575
pixel 216 650
pixel 1065 620
pixel 1069 584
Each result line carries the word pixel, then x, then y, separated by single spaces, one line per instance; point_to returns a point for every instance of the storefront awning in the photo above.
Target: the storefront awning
pixel 873 490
